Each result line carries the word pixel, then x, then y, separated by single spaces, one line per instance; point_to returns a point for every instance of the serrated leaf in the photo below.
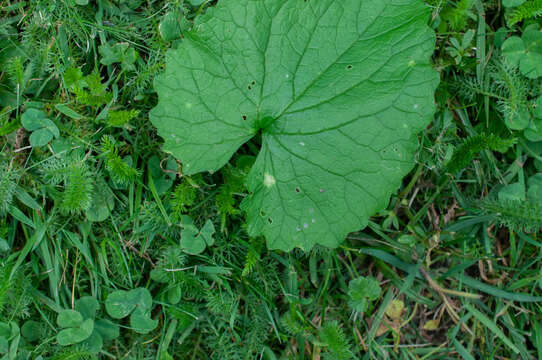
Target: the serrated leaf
pixel 395 310
pixel 337 89
pixel 361 291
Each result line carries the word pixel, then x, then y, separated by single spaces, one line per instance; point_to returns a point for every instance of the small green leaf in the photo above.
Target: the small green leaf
pixel 207 233
pixel 43 129
pixel 93 343
pixel 69 112
pixel 361 291
pixel 525 51
pixel 169 26
pixel 191 243
pixel 32 119
pixel 40 137
pixel 74 335
pixel 174 294
pixel 87 306
pixel 31 330
pixel 119 305
pixel 141 321
pixel 69 318
pixel 162 178
pixel 107 329
pixel 102 203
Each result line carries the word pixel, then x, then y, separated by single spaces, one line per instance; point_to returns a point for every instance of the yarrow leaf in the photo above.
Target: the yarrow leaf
pixel 337 89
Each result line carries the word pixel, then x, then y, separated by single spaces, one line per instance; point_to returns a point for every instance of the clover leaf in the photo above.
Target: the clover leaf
pixel 137 303
pixel 525 52
pixel 81 327
pixel 194 241
pixel 361 291
pixel 121 53
pixel 337 90
pixel 43 129
pixel 75 329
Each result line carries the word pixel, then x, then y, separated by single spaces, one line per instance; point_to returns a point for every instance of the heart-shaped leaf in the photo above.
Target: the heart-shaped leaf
pixel 43 129
pixel 337 89
pixel 194 241
pixel 87 307
pixel 74 335
pixel 526 51
pixel 120 303
pixel 107 329
pixel 69 318
pixel 141 321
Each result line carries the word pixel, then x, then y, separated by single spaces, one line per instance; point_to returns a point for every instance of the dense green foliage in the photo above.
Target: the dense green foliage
pixel 109 248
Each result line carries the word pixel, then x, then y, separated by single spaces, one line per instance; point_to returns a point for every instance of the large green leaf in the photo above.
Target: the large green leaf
pixel 338 90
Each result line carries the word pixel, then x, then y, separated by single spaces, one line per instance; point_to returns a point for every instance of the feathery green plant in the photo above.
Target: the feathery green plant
pixel 119 170
pixel 528 10
pixel 468 150
pixel 516 215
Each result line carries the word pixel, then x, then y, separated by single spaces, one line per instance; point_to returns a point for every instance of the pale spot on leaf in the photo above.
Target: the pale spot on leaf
pixel 269 180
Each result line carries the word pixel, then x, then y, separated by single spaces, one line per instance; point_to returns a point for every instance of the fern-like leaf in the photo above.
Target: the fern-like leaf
pixel 516 215
pixel 468 150
pixel 528 10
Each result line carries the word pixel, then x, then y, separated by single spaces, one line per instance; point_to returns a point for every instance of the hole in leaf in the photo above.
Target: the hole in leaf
pixel 297 190
pixel 244 117
pixel 349 67
pixel 270 220
pixel 262 213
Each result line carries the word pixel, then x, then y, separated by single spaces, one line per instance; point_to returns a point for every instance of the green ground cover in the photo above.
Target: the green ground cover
pixel 112 248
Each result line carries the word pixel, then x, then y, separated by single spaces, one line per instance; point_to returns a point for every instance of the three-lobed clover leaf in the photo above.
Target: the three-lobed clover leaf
pixel 338 91
pixel 80 326
pixel 75 329
pixel 361 291
pixel 137 303
pixel 525 52
pixel 43 130
pixel 194 241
